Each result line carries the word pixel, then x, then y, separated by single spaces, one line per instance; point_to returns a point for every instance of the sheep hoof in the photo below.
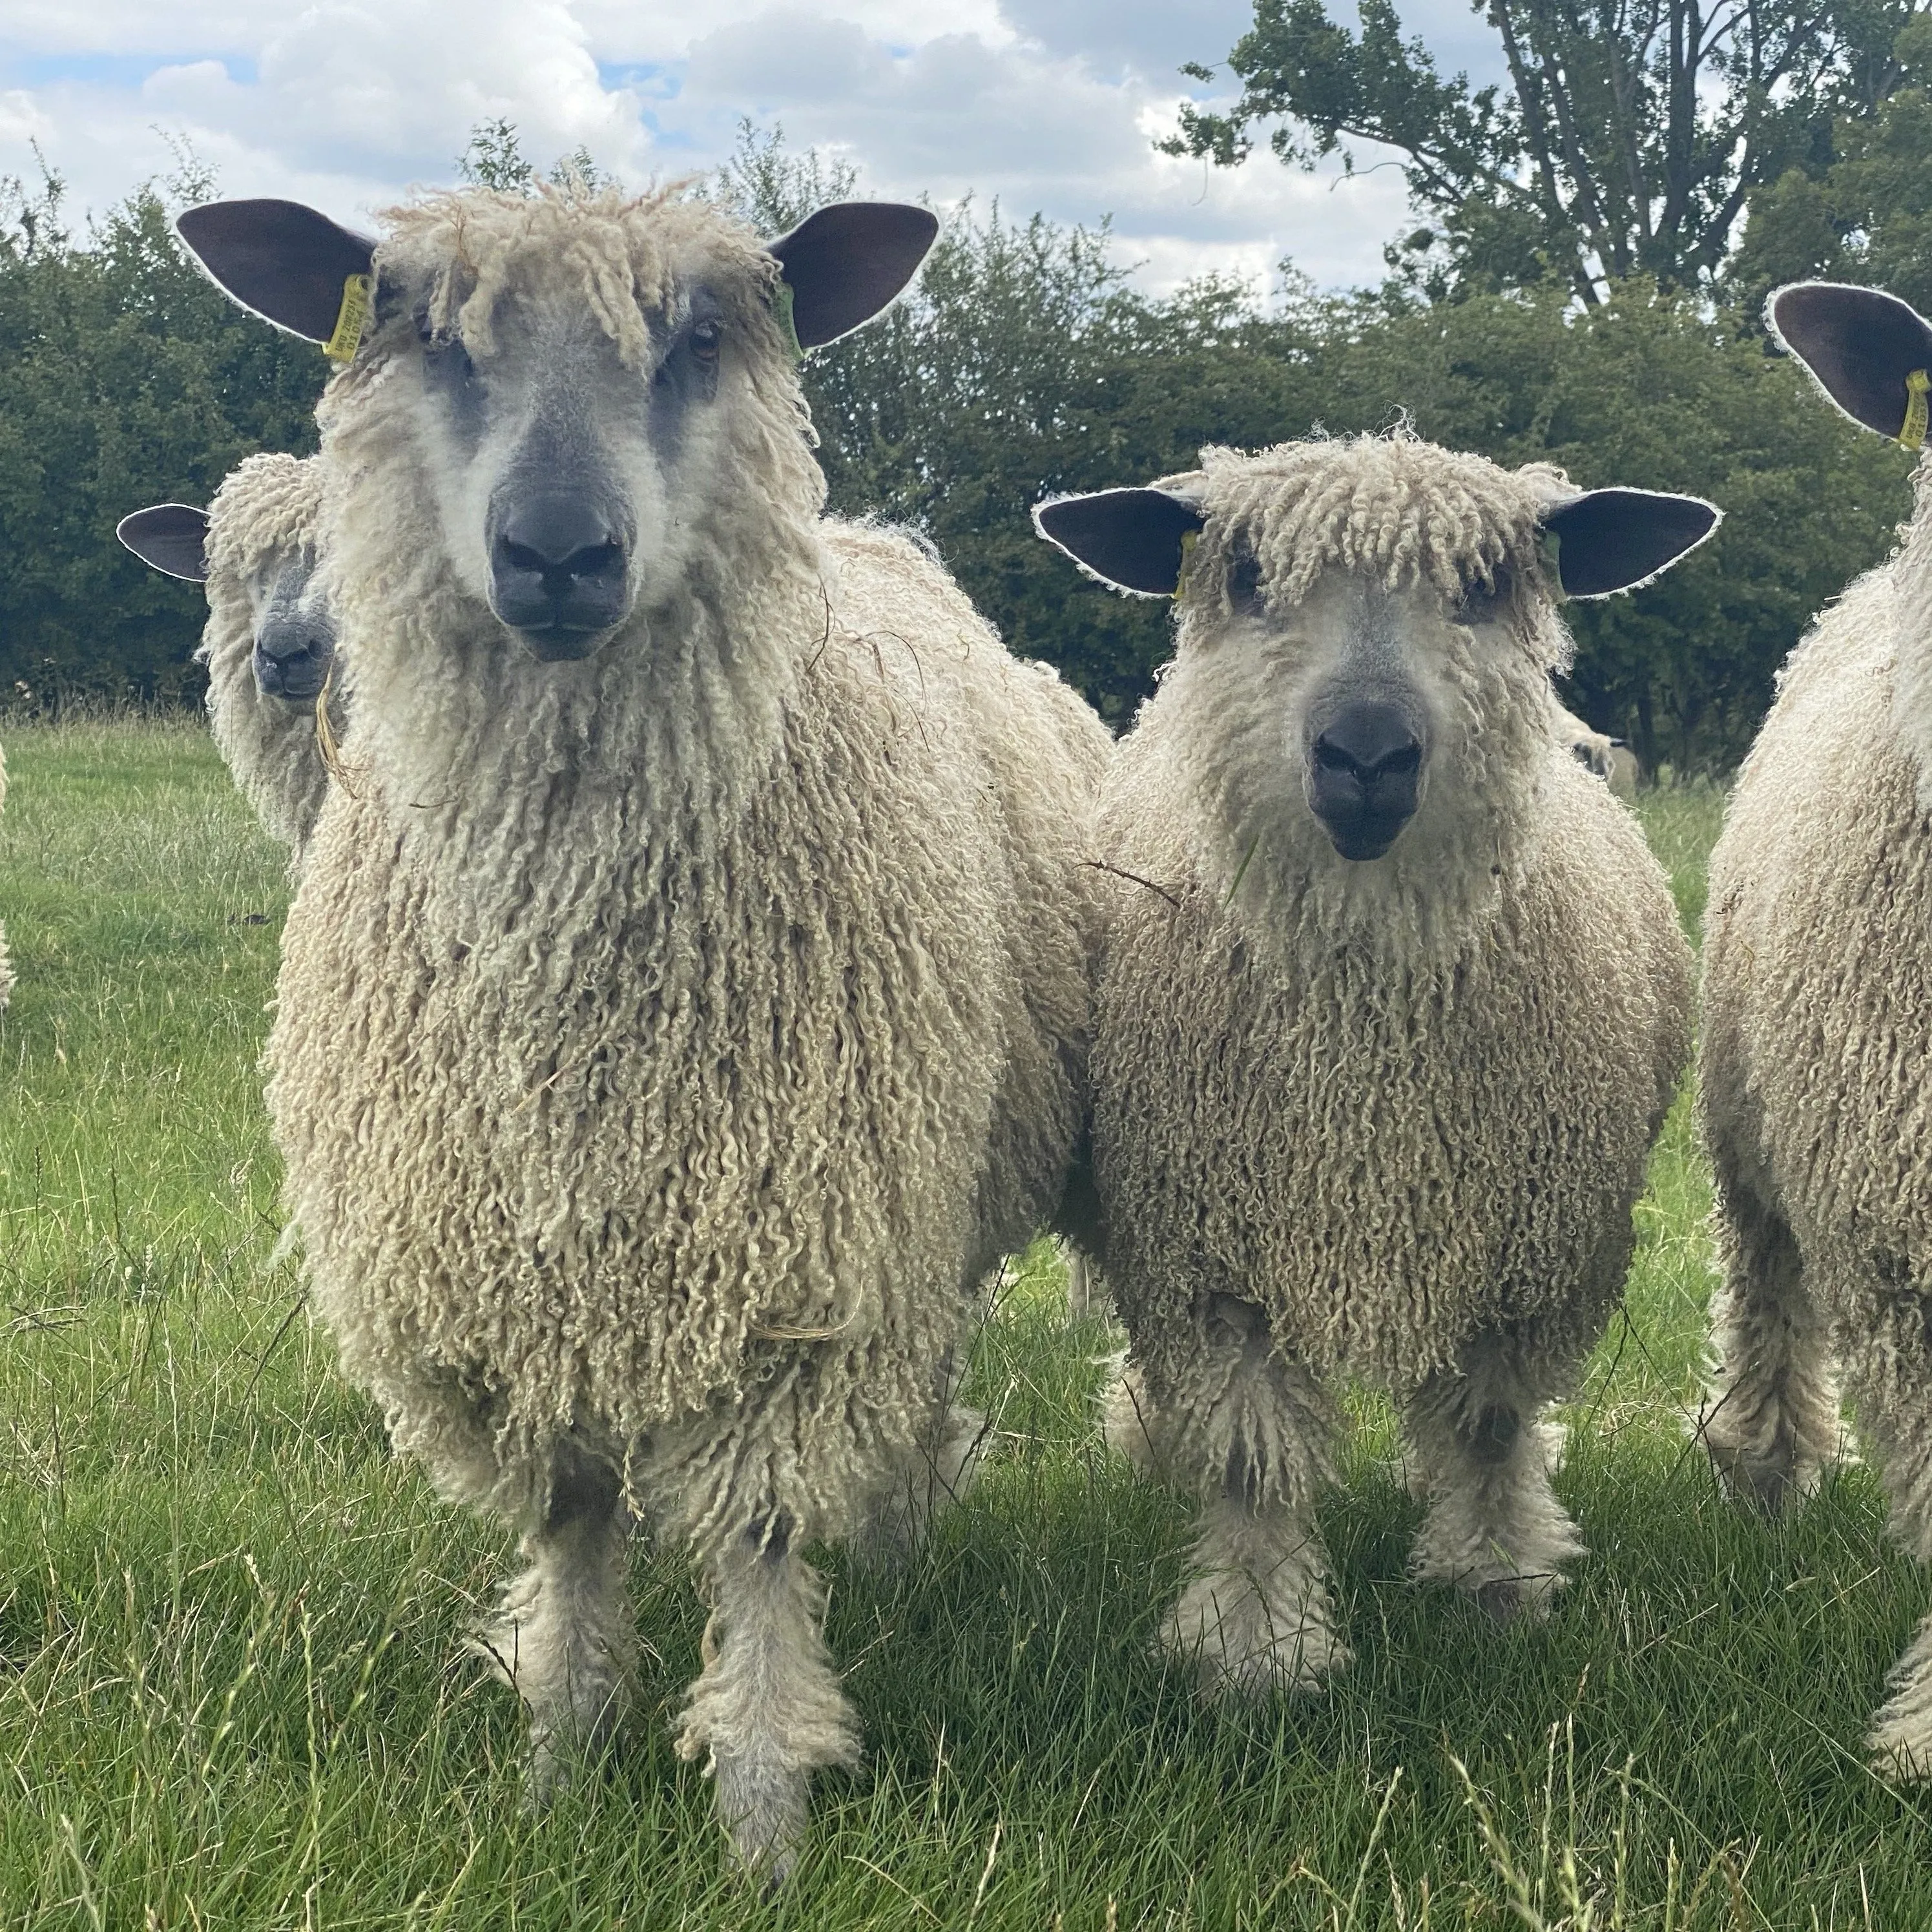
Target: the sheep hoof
pixel 763 1808
pixel 1516 1600
pixel 1773 1484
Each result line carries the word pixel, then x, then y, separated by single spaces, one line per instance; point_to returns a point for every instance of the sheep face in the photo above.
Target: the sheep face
pixel 568 486
pixel 1361 714
pixel 295 631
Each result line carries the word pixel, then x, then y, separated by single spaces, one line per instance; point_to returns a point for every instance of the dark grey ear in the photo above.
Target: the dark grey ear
pixel 1614 540
pixel 1133 539
pixel 284 262
pixel 168 538
pixel 845 263
pixel 1859 344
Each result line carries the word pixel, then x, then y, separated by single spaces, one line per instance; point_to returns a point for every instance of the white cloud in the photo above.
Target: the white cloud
pixel 1043 104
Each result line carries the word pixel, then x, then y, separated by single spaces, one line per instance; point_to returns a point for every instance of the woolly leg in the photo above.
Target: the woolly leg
pixel 1494 1526
pixel 1888 1364
pixel 1769 1417
pixel 562 1636
pixel 766 1708
pixel 942 1469
pixel 1253 1429
pixel 1086 1292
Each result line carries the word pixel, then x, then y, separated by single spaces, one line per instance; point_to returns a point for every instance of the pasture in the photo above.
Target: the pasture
pixel 232 1687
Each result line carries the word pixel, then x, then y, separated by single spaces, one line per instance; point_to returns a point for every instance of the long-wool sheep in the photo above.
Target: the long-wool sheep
pixel 1817 995
pixel 1383 1116
pixel 671 1032
pixel 269 643
pixel 6 963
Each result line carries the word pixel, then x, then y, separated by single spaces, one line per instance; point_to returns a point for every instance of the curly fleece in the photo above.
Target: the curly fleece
pixel 1818 1008
pixel 1402 1105
pixel 266 515
pixel 665 1045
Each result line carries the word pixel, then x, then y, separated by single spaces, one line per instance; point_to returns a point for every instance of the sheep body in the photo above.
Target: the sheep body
pixel 1817 995
pixel 1382 1121
pixel 667 1042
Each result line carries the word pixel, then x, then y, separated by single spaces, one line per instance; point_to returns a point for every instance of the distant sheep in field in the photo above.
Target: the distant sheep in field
pixel 270 643
pixel 1392 1000
pixel 1817 1019
pixel 6 964
pixel 1596 752
pixel 689 1006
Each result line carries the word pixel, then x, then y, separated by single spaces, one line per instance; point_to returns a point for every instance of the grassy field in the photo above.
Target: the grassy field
pixel 232 1690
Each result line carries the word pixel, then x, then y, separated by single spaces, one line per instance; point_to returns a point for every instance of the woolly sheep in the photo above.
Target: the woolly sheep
pixel 1818 1019
pixel 1359 947
pixel 270 643
pixel 689 1005
pixel 6 963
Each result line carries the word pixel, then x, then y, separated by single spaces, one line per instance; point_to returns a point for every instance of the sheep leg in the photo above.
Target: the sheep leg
pixel 1769 1417
pixel 766 1708
pixel 943 1466
pixel 1253 1430
pixel 1494 1526
pixel 563 1637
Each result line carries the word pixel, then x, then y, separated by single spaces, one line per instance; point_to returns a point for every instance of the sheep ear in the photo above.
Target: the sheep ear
pixel 1134 539
pixel 169 538
pixel 1613 540
pixel 845 263
pixel 282 261
pixel 1862 346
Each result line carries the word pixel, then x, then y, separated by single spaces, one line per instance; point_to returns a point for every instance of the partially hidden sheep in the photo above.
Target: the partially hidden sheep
pixel 689 1004
pixel 6 963
pixel 1817 1021
pixel 1392 1000
pixel 270 642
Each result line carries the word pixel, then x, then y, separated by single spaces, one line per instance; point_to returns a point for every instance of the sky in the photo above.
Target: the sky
pixel 1051 106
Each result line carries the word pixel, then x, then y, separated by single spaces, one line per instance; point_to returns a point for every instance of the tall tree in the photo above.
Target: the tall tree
pixel 1626 140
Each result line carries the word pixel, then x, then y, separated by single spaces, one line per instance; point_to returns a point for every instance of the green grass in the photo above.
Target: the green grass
pixel 232 1692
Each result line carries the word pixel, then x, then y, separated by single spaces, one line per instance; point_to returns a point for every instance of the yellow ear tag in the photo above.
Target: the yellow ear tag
pixel 350 319
pixel 781 308
pixel 1912 436
pixel 1187 541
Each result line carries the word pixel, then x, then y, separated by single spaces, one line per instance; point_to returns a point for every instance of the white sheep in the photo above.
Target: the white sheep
pixel 270 642
pixel 689 1004
pixel 1818 1019
pixel 1392 1000
pixel 6 963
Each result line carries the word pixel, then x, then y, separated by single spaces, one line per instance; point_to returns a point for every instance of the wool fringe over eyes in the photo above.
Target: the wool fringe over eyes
pixel 267 514
pixel 667 1044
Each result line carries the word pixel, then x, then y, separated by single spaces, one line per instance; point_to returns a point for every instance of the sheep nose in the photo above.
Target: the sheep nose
pixel 563 539
pixel 1364 777
pixel 1369 743
pixel 559 572
pixel 292 657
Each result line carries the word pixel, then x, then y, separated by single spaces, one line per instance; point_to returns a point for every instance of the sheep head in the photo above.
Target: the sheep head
pixel 1366 628
pixel 257 545
pixel 585 384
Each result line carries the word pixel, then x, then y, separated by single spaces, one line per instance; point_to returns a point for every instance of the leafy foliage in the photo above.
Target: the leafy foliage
pixel 125 379
pixel 1626 141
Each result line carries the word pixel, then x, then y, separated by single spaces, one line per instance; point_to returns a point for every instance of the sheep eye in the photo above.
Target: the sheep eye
pixel 1244 583
pixel 1481 603
pixel 704 341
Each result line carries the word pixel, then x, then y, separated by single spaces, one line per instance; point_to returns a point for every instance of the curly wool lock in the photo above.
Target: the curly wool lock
pixel 1386 1120
pixel 265 518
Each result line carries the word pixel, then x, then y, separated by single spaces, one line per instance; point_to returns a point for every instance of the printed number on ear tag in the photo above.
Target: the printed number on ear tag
pixel 350 319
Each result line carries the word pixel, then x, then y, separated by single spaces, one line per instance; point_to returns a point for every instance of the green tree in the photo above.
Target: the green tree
pixel 126 378
pixel 1626 140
